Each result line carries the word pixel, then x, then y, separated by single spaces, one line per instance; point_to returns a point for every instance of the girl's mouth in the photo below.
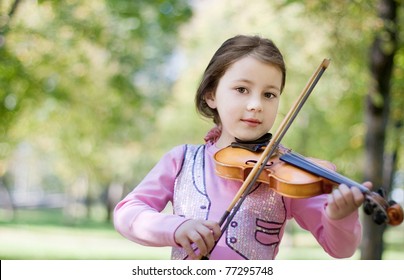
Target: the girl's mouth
pixel 251 122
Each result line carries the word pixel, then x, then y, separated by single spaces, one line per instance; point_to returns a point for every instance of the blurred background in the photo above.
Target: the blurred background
pixel 93 93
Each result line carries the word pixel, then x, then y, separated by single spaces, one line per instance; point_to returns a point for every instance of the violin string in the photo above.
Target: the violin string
pixel 331 175
pixel 308 165
pixel 328 173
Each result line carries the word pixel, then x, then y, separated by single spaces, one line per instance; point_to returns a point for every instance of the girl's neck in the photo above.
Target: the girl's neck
pixel 221 143
pixel 224 142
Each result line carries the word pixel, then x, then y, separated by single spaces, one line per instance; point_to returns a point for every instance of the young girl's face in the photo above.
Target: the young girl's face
pixel 247 99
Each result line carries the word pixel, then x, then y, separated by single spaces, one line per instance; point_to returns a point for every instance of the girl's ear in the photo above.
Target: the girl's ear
pixel 210 100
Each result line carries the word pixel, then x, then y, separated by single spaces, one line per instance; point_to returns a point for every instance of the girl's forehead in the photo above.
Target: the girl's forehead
pixel 251 66
pixel 251 62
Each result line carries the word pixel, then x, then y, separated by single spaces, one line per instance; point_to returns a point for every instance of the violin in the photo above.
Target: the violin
pixel 293 175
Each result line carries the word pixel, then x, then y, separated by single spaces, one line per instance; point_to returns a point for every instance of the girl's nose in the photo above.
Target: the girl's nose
pixel 254 104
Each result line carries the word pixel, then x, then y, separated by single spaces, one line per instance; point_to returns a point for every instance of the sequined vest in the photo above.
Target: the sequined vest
pixel 254 232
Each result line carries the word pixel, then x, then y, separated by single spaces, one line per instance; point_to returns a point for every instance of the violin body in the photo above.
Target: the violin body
pixel 282 177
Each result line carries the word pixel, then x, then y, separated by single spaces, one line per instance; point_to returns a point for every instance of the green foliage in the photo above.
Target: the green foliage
pixel 81 78
pixel 13 88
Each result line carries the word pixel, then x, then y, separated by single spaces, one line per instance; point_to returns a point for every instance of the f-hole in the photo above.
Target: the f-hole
pixel 250 161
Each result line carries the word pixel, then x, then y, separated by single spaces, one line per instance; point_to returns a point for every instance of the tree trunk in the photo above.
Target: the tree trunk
pixel 377 115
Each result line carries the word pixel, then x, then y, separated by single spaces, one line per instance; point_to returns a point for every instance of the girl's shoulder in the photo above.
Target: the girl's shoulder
pixel 177 155
pixel 179 152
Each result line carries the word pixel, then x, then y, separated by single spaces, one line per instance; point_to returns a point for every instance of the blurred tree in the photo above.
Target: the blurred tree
pixel 83 80
pixel 378 117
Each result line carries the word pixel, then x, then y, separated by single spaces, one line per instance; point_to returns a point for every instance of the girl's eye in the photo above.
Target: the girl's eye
pixel 270 95
pixel 241 90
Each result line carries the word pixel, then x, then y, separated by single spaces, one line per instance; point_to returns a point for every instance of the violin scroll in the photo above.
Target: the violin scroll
pixel 382 211
pixel 395 214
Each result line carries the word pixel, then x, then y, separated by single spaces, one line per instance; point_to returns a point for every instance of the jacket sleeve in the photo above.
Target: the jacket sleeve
pixel 138 216
pixel 339 238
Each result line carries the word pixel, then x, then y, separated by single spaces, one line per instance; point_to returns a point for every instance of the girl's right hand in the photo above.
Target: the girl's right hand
pixel 201 232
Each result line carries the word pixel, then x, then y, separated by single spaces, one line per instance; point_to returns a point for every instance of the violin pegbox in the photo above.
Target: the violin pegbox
pixel 379 216
pixel 382 213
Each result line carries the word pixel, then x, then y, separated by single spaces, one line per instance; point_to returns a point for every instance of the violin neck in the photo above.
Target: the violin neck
pixel 301 162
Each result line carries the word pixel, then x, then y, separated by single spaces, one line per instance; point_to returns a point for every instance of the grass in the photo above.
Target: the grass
pixel 47 235
pixel 44 234
pixel 47 242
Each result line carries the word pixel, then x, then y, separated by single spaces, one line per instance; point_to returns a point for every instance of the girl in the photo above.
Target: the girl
pixel 240 90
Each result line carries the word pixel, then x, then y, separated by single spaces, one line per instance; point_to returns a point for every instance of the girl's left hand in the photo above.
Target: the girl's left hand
pixel 343 201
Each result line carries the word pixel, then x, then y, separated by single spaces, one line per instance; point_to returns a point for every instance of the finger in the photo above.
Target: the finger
pixel 196 238
pixel 332 207
pixel 349 194
pixel 331 200
pixel 368 185
pixel 189 250
pixel 338 200
pixel 207 236
pixel 358 196
pixel 215 229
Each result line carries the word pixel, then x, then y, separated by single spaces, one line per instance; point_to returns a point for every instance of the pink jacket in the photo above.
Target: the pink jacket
pixel 138 216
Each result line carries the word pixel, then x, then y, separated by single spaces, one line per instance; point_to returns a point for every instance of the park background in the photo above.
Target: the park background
pixel 93 93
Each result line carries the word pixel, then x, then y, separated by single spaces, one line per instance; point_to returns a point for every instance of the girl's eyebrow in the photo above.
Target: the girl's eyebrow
pixel 250 82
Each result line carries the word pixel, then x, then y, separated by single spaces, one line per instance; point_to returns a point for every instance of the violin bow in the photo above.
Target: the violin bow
pixel 269 150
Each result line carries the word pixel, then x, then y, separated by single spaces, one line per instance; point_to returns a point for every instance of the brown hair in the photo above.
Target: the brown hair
pixel 229 52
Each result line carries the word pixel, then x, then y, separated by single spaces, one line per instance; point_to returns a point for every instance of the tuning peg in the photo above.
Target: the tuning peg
pixel 379 217
pixel 368 207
